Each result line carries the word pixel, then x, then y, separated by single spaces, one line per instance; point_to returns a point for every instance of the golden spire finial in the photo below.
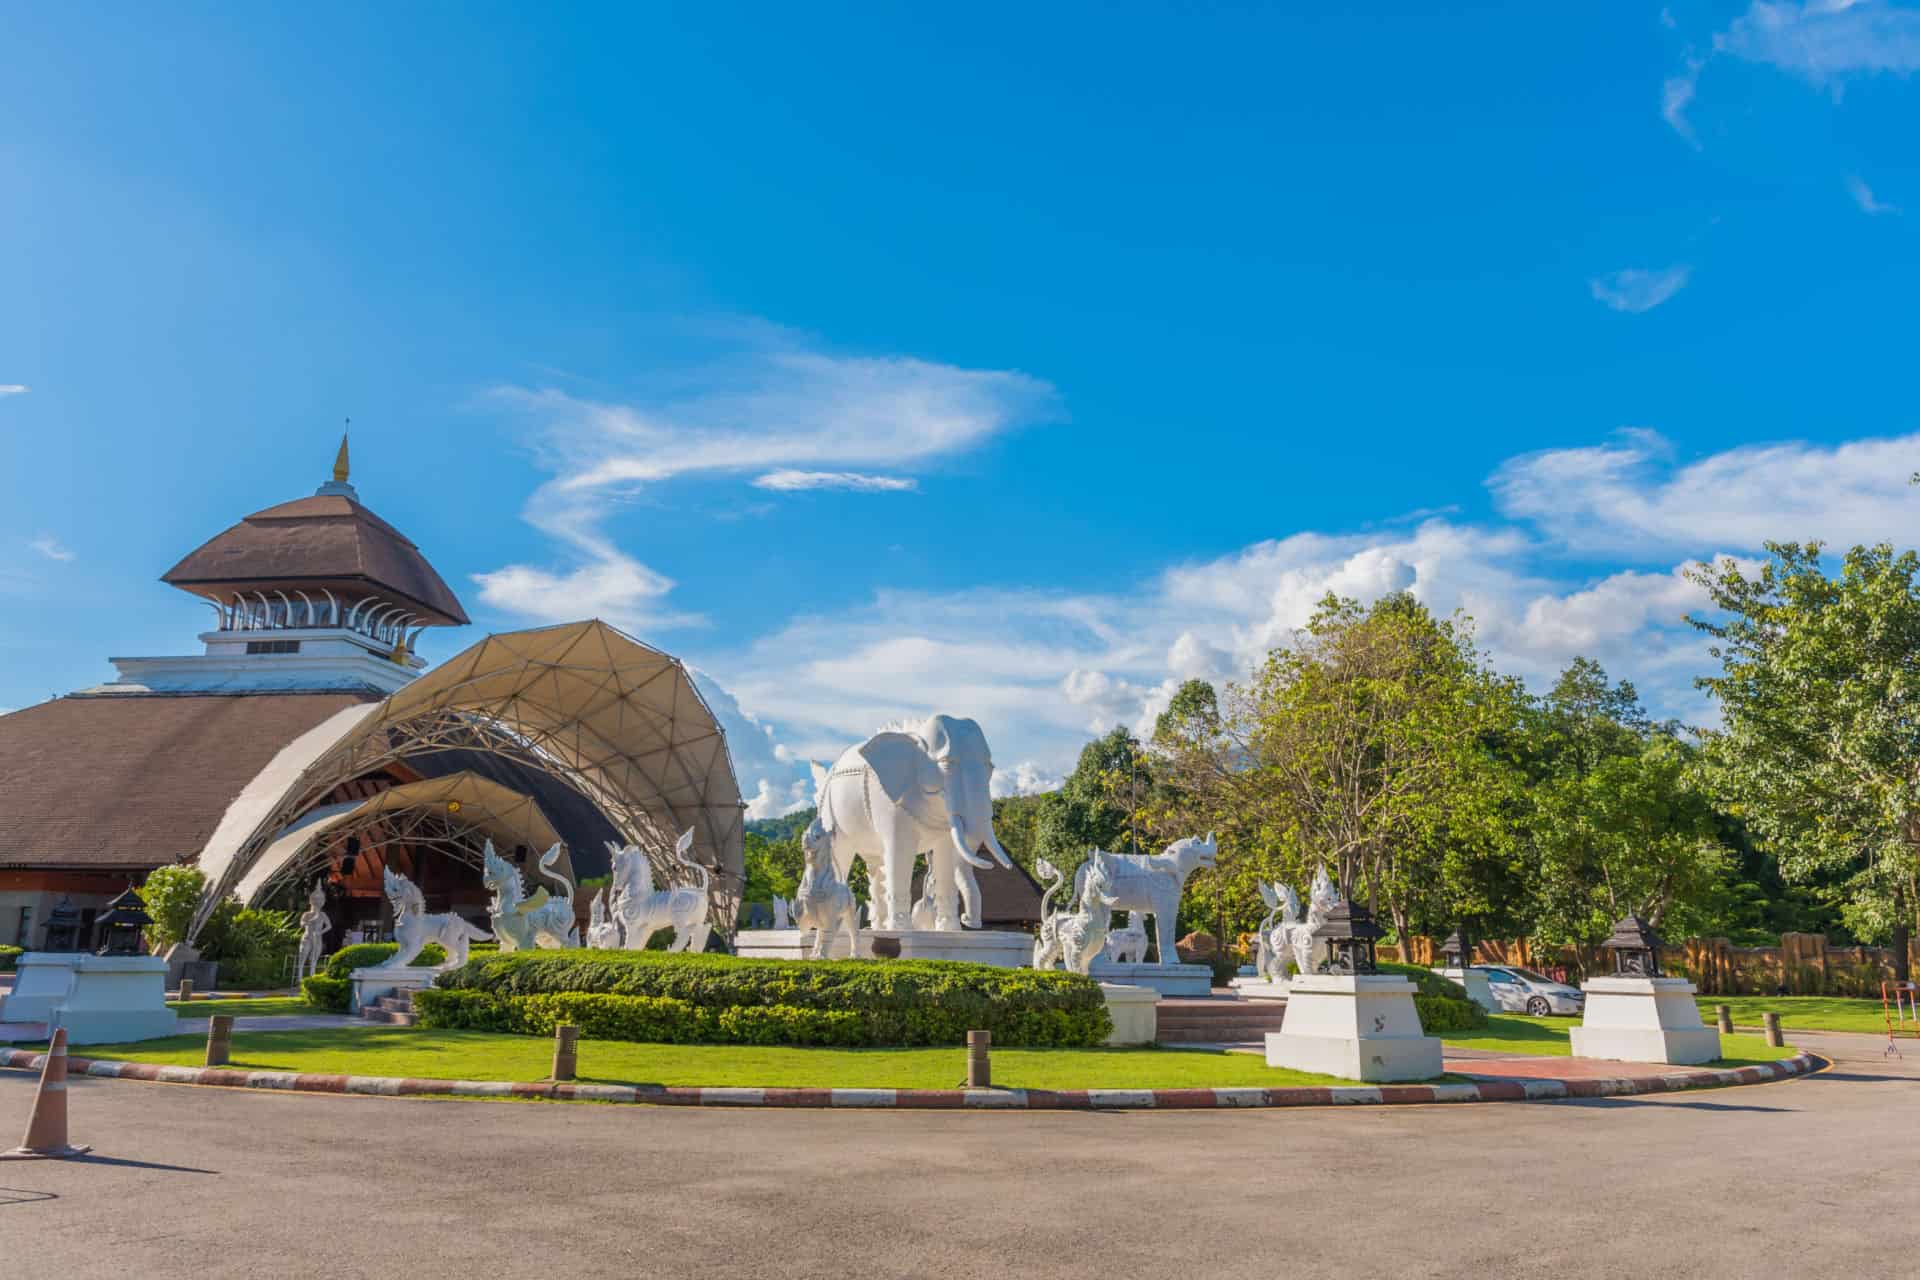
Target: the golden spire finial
pixel 340 459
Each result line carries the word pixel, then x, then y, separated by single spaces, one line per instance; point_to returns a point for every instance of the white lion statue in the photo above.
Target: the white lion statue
pixel 523 922
pixel 603 934
pixel 413 928
pixel 1075 937
pixel 643 910
pixel 1127 945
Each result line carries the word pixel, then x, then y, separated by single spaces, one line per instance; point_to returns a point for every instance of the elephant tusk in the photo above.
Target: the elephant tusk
pixel 966 855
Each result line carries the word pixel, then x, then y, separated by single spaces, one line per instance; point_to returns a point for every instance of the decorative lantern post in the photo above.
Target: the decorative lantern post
pixel 63 927
pixel 1350 933
pixel 1456 956
pixel 120 927
pixel 1454 951
pixel 1636 949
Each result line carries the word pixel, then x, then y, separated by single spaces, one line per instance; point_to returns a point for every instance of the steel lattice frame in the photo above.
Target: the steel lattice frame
pixel 534 723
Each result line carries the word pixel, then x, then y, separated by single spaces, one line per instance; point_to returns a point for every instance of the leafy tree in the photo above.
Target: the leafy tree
pixel 171 894
pixel 1819 751
pixel 1096 806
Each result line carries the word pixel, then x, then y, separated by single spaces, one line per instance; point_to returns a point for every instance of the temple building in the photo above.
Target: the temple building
pixel 308 741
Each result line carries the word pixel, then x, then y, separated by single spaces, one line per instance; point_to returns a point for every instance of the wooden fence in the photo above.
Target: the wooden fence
pixel 1804 964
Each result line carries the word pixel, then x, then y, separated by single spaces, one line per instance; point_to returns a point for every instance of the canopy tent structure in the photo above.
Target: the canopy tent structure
pixel 456 814
pixel 618 721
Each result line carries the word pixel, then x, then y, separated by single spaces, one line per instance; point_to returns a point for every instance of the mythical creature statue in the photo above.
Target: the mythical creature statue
pixel 523 923
pixel 1075 937
pixel 413 928
pixel 1128 945
pixel 908 790
pixel 1150 884
pixel 313 928
pixel 643 910
pixel 1280 931
pixel 782 913
pixel 825 904
pixel 603 934
pixel 1321 900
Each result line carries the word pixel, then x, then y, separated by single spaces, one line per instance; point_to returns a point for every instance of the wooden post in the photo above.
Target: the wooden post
pixel 979 1060
pixel 566 1055
pixel 186 989
pixel 1725 1013
pixel 1772 1022
pixel 219 1039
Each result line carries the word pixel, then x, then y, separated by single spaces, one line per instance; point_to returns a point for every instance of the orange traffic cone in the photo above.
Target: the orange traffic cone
pixel 47 1127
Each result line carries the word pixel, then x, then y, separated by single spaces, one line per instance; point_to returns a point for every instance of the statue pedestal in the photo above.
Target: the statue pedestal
pixel 1358 1027
pixel 1644 1020
pixel 1167 979
pixel 372 982
pixel 1476 984
pixel 41 981
pixel 1135 1012
pixel 1260 989
pixel 1005 949
pixel 116 999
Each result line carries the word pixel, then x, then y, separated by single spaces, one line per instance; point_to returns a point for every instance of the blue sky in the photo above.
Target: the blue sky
pixel 1016 361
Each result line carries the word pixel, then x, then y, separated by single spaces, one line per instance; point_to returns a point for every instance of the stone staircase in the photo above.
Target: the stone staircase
pixel 1216 1019
pixel 394 1010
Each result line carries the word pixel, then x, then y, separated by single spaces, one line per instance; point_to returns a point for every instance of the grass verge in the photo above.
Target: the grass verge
pixel 1804 1013
pixel 1518 1034
pixel 258 1007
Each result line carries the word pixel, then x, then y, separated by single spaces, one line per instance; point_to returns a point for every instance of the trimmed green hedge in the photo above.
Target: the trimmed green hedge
pixel 649 1018
pixel 896 1002
pixel 1441 1002
pixel 9 956
pixel 323 991
pixel 343 962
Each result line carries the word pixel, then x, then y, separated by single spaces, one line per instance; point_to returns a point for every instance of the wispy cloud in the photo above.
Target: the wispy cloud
pixel 793 481
pixel 1863 196
pixel 776 408
pixel 47 545
pixel 1676 94
pixel 13 389
pixel 1824 40
pixel 1637 289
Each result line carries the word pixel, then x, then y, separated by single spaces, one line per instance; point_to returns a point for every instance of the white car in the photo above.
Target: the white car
pixel 1520 990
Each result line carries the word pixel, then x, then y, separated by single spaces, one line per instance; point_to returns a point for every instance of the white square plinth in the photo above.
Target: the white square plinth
pixel 116 1000
pixel 1644 1020
pixel 1476 984
pixel 1355 1027
pixel 1135 1012
pixel 375 981
pixel 41 981
pixel 1167 979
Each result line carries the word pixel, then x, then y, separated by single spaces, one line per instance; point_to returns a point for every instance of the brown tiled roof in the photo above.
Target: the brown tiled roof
pixel 325 541
pixel 112 781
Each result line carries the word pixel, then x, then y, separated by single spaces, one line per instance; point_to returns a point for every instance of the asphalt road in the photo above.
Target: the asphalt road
pixel 1812 1176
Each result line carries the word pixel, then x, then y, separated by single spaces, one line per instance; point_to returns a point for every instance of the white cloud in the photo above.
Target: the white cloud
pixel 792 481
pixel 12 389
pixel 50 547
pixel 1676 94
pixel 767 802
pixel 1863 196
pixel 1638 289
pixel 1823 41
pixel 1630 496
pixel 774 408
pixel 1024 779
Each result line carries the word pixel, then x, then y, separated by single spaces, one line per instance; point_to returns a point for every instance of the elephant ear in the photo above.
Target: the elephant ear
pixel 907 775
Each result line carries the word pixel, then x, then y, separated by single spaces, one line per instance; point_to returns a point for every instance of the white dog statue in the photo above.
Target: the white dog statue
pixel 1128 945
pixel 1151 884
pixel 643 910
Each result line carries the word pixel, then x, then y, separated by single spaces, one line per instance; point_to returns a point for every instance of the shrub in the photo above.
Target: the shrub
pixel 1443 1015
pixel 343 962
pixel 896 1002
pixel 323 991
pixel 9 957
pixel 255 948
pixel 660 1019
pixel 1429 982
pixel 171 895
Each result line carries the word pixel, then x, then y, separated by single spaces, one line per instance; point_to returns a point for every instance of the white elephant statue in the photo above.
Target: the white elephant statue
pixel 908 790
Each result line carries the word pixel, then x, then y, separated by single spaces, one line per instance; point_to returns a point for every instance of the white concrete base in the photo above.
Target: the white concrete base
pixel 372 982
pixel 1167 979
pixel 1260 989
pixel 1476 984
pixel 117 999
pixel 1644 1020
pixel 1135 1012
pixel 1355 1027
pixel 41 981
pixel 1003 948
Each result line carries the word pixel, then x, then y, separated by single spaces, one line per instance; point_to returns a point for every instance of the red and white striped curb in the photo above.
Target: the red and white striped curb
pixel 939 1099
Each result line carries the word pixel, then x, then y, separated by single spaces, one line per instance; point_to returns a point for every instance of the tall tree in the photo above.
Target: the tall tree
pixel 1819 751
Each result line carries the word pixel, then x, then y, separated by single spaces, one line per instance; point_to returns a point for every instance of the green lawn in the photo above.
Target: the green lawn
pixel 257 1007
pixel 1804 1013
pixel 481 1055
pixel 1517 1033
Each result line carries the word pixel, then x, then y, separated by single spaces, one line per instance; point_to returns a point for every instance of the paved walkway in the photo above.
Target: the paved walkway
pixel 1803 1177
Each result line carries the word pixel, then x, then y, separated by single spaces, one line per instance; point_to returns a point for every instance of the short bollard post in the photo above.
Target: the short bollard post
pixel 186 988
pixel 1726 1018
pixel 979 1060
pixel 566 1039
pixel 219 1039
pixel 1772 1021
